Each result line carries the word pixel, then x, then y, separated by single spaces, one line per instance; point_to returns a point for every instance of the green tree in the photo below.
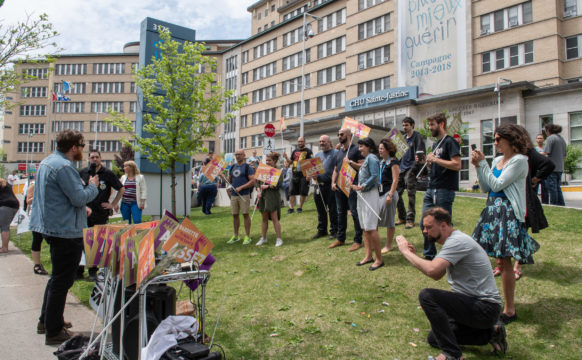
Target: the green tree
pixel 18 44
pixel 184 102
pixel 573 157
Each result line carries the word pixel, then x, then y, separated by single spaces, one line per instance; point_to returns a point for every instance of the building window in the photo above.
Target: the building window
pixel 332 20
pixel 257 140
pixel 33 92
pixel 262 117
pixel 570 8
pixel 243 121
pixel 294 85
pixel 295 60
pixel 243 142
pixel 103 126
pixel 30 129
pixel 231 63
pixel 265 48
pixel 487 140
pixel 292 37
pixel 374 27
pixel 331 47
pixel 295 12
pixel 374 57
pixel 263 94
pixel 373 85
pixel 265 71
pixel 30 147
pixel 108 68
pixel 71 69
pixel 105 145
pixel 507 18
pixel 364 4
pixel 245 57
pixel 107 87
pixel 572 49
pixel 74 88
pixel 106 106
pixel 36 73
pixel 66 125
pixel 294 110
pixel 576 139
pixel 516 55
pixel 68 107
pixel 331 101
pixel 465 155
pixel 245 78
pixel 331 74
pixel 32 110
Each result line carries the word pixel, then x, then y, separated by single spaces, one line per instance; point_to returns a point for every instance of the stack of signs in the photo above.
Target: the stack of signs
pixel 399 141
pixel 346 177
pixel 358 129
pixel 214 167
pixel 312 167
pixel 267 174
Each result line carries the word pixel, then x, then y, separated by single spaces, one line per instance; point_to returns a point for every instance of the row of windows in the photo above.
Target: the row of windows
pixel 374 57
pixel 230 83
pixel 331 47
pixel 35 128
pixel 109 68
pixel 106 106
pixel 292 37
pixel 331 101
pixel 294 85
pixel 295 60
pixel 33 92
pixel 103 126
pixel 68 107
pixel 262 117
pixel 294 110
pixel 231 63
pixel 74 88
pixel 71 69
pixel 507 57
pixel 257 140
pixel 107 87
pixel 230 125
pixel 32 110
pixel 332 20
pixel 364 4
pixel 373 85
pixel 105 145
pixel 506 18
pixel 374 27
pixel 66 125
pixel 265 48
pixel 330 74
pixel 263 94
pixel 37 73
pixel 30 147
pixel 265 71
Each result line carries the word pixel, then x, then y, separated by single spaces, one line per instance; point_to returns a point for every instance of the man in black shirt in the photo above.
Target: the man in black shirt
pixel 101 209
pixel 298 185
pixel 445 164
pixel 344 203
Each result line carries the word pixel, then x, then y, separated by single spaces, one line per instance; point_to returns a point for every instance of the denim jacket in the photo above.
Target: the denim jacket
pixel 60 197
pixel 369 172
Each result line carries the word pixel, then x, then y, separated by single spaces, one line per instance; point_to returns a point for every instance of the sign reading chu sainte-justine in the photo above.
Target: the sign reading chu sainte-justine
pixel 382 97
pixel 433 45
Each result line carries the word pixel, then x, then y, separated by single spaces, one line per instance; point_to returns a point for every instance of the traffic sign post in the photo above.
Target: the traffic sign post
pixel 270 130
pixel 268 145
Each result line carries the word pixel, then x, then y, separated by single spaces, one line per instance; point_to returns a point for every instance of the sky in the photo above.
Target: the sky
pixel 104 26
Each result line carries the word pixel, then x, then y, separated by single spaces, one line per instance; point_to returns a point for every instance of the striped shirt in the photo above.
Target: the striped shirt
pixel 129 195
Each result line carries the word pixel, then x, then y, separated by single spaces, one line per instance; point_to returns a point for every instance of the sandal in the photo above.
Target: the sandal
pixel 39 270
pixel 517 274
pixel 496 271
pixel 499 340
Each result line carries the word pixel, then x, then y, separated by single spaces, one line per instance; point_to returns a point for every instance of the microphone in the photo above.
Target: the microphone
pixel 92 169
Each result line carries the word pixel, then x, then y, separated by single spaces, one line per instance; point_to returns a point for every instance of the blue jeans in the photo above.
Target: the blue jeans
pixel 553 188
pixel 344 204
pixel 285 187
pixel 206 195
pixel 435 197
pixel 131 212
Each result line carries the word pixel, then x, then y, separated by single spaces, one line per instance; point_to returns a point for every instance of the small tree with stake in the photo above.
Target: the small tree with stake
pixel 184 105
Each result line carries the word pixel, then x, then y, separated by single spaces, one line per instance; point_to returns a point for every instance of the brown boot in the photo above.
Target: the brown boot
pixel 59 338
pixel 336 244
pixel 40 329
pixel 355 246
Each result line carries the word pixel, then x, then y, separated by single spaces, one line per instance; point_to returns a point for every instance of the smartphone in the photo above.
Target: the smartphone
pixel 473 147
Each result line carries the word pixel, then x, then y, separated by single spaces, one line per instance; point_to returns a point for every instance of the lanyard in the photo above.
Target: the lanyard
pixel 382 166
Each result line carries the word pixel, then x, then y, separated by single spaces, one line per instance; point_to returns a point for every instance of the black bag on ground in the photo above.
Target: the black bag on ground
pixel 73 348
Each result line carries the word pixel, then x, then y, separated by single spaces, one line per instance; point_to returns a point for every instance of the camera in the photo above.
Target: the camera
pixel 420 155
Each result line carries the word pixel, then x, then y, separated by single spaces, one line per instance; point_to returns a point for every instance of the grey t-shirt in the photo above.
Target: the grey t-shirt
pixel 470 270
pixel 556 149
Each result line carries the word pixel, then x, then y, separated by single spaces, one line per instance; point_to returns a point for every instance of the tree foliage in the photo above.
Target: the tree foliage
pixel 183 105
pixel 18 43
pixel 573 157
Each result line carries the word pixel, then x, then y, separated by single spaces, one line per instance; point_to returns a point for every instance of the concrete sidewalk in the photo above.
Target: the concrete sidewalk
pixel 21 293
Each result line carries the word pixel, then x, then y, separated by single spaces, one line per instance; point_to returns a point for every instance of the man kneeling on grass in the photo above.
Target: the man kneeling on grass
pixel 468 314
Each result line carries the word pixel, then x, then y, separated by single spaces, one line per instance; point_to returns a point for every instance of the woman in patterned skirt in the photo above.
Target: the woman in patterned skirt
pixel 501 229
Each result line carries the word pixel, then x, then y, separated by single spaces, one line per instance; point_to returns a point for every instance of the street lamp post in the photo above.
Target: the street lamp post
pixel 498 91
pixel 305 34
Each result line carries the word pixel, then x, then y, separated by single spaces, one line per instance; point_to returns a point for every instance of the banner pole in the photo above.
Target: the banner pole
pixel 364 200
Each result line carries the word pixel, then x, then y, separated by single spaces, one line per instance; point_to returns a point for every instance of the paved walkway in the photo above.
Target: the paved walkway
pixel 21 293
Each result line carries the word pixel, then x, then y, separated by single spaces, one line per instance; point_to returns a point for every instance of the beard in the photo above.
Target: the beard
pixel 343 140
pixel 435 133
pixel 78 156
pixel 433 239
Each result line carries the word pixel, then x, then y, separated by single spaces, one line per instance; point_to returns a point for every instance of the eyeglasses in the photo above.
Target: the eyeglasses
pixel 82 145
pixel 497 139
pixel 340 134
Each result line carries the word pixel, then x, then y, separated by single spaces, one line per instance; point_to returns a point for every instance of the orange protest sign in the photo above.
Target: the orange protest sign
pixel 311 167
pixel 187 243
pixel 346 177
pixel 268 175
pixel 358 129
pixel 214 167
pixel 146 259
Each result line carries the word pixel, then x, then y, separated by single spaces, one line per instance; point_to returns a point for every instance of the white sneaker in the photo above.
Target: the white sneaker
pixel 262 241
pixel 279 242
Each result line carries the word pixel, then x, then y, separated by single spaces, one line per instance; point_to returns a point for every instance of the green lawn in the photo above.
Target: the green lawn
pixel 304 301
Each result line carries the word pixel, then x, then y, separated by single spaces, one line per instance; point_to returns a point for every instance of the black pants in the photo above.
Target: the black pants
pixel 457 319
pixel 407 181
pixel 329 199
pixel 343 204
pixel 65 256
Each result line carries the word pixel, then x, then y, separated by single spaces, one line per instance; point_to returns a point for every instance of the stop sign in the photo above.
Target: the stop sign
pixel 270 130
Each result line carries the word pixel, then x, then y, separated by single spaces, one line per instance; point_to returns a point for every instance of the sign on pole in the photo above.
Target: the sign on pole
pixel 270 130
pixel 268 145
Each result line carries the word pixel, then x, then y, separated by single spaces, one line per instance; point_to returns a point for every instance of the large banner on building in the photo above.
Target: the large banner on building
pixel 433 45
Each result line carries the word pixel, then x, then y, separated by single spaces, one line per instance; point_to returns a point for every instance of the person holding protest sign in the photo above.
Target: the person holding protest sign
pixel 270 203
pixel 354 158
pixel 389 179
pixel 445 164
pixel 299 184
pixel 409 167
pixel 368 199
pixel 325 198
pixel 242 181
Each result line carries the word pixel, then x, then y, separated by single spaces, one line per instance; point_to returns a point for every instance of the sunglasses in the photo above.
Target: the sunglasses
pixel 82 145
pixel 497 139
pixel 340 134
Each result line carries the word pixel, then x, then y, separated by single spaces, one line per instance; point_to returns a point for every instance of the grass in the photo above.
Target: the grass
pixel 305 301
